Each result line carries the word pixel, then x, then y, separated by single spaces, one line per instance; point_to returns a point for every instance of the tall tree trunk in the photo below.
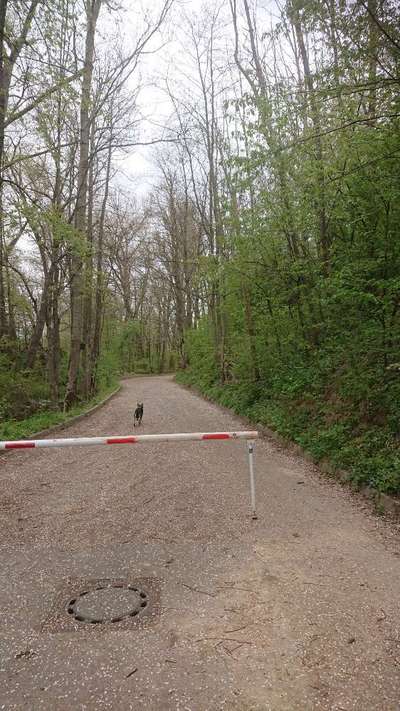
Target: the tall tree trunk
pixel 71 394
pixel 320 170
pixel 12 330
pixel 37 333
pixel 7 62
pixel 53 331
pixel 53 317
pixel 99 293
pixel 88 278
pixel 372 51
pixel 3 106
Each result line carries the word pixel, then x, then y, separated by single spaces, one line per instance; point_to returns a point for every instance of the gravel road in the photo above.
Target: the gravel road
pixel 298 610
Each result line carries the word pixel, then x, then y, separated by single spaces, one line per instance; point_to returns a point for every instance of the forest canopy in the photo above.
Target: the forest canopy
pixel 262 257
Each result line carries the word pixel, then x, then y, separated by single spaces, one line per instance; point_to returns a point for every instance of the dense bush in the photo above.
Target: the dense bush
pixel 370 453
pixel 22 393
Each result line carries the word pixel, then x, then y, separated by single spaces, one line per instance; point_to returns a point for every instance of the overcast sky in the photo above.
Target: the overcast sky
pixel 137 169
pixel 167 54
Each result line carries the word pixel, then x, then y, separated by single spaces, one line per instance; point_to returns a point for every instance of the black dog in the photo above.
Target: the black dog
pixel 138 416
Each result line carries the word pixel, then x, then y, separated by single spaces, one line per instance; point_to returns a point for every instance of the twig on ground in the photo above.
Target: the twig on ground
pixel 163 540
pixel 202 592
pixel 224 639
pixel 238 628
pixel 132 672
pixel 233 587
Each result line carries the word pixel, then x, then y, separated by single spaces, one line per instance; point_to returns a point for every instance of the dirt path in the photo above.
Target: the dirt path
pixel 299 610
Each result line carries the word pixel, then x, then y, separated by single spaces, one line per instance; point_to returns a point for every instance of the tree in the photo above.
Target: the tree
pixel 71 392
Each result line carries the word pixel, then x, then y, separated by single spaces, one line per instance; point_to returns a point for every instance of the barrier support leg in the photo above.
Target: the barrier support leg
pixel 250 449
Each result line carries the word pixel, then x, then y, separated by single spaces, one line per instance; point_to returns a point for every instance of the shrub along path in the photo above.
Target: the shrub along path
pixel 299 610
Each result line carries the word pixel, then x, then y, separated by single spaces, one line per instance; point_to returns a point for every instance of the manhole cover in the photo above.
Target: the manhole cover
pixel 111 603
pixel 104 605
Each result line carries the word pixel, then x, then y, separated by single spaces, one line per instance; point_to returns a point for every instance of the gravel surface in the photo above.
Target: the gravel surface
pixel 298 610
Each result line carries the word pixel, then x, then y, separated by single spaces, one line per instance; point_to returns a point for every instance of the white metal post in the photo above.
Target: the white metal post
pixel 250 446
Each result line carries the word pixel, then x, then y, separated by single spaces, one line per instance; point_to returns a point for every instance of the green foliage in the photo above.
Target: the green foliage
pixel 200 351
pixel 123 350
pixel 13 429
pixel 61 230
pixel 312 282
pixel 372 456
pixel 21 392
pixel 326 343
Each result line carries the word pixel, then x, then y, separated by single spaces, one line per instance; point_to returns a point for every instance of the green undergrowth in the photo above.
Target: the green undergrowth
pixel 13 429
pixel 369 452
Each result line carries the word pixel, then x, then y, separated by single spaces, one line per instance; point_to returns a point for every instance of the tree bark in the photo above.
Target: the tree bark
pixel 3 106
pixel 53 331
pixel 99 292
pixel 37 333
pixel 71 394
pixel 315 117
pixel 7 62
pixel 88 281
pixel 372 51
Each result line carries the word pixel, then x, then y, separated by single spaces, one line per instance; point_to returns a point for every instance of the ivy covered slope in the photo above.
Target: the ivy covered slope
pixel 306 334
pixel 318 356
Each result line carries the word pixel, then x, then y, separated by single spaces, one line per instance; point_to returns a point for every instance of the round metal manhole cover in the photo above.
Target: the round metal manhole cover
pixel 111 603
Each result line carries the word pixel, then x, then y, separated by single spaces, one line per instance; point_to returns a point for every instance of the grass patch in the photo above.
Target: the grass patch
pixel 22 429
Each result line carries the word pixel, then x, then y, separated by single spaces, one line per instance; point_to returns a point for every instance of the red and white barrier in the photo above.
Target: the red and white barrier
pixel 143 439
pixel 129 439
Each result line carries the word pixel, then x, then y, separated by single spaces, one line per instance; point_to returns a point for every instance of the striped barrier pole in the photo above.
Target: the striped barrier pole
pixel 146 438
